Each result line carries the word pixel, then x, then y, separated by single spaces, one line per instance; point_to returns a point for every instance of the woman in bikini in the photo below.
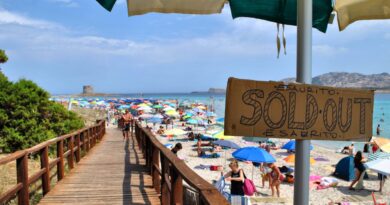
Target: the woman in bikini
pixel 275 175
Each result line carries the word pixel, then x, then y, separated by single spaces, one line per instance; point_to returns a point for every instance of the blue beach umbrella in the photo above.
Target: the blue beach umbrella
pixel 291 145
pixel 253 154
pixel 198 110
pixel 210 114
pixel 227 143
pixel 155 120
pixel 192 121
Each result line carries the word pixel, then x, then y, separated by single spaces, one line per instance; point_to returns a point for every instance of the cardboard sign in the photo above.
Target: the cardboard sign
pixel 298 111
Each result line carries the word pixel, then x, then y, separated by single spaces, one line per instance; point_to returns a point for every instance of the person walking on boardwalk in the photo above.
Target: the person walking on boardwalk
pixel 127 118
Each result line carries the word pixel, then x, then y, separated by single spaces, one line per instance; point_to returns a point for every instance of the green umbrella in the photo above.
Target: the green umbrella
pixel 107 4
pixel 157 106
pixel 281 11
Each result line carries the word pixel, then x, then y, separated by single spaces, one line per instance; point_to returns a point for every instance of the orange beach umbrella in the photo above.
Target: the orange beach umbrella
pixel 291 159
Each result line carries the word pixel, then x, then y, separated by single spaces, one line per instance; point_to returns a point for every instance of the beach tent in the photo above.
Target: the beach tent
pixel 345 169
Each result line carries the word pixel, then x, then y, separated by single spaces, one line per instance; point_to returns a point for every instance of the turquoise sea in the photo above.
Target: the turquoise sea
pixel 381 110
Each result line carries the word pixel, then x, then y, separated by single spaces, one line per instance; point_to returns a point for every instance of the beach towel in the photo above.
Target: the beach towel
pixel 201 166
pixel 220 184
pixel 321 159
pixel 214 155
pixel 138 7
pixel 327 182
pixel 281 11
pixel 349 11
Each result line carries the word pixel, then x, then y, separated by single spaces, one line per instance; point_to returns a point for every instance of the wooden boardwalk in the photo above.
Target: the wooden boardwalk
pixel 113 172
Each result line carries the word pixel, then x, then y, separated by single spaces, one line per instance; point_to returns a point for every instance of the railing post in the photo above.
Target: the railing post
pixel 78 148
pixel 132 126
pixel 22 177
pixel 177 188
pixel 88 139
pixel 94 136
pixel 155 174
pixel 60 155
pixel 82 139
pixel 70 147
pixel 45 165
pixel 164 188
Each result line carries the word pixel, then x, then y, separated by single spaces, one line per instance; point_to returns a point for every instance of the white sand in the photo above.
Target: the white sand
pixel 338 194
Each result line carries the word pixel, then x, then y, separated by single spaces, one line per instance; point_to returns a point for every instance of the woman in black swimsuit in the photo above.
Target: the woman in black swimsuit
pixel 236 176
pixel 359 170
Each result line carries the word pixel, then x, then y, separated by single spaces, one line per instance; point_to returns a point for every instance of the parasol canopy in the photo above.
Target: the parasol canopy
pixel 253 154
pixel 291 159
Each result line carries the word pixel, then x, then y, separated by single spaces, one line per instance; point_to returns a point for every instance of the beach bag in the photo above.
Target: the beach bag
pixel 249 187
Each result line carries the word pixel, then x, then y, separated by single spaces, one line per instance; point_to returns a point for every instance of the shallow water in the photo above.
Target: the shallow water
pixel 381 111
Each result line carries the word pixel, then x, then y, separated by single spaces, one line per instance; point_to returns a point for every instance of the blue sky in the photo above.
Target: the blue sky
pixel 64 44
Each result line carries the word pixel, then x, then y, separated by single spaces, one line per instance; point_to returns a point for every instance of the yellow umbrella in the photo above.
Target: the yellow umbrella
pixel 201 107
pixel 75 102
pixel 291 159
pixel 382 143
pixel 143 105
pixel 172 113
pixel 221 135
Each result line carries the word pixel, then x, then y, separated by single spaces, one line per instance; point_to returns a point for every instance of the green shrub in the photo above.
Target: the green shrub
pixel 28 117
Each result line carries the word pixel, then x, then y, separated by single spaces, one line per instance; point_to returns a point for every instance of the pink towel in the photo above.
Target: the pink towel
pixel 315 178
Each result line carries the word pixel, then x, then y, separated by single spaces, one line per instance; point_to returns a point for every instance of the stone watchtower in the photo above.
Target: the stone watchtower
pixel 87 89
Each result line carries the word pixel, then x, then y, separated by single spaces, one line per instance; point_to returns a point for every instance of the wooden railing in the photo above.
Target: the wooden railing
pixel 68 147
pixel 169 172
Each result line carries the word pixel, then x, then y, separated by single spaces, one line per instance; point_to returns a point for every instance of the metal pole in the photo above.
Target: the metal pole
pixel 304 75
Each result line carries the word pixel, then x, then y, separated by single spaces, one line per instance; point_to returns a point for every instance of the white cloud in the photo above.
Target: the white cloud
pixel 328 50
pixel 67 3
pixel 10 18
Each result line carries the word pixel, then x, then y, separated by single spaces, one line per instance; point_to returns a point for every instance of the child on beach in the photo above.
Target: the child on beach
pixel 275 176
pixel 265 175
pixel 236 177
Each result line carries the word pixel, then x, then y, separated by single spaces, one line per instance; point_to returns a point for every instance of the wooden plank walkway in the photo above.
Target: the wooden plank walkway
pixel 111 173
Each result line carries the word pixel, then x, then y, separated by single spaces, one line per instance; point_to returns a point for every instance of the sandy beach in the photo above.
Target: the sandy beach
pixel 337 194
pixel 326 160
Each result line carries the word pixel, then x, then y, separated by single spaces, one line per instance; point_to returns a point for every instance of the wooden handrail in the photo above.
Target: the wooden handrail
pixel 168 180
pixel 90 135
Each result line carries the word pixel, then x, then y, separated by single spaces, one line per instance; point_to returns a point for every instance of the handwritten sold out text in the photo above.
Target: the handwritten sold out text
pixel 273 109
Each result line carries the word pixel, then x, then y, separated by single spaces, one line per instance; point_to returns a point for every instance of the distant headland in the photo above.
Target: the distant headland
pixel 378 82
pixel 211 91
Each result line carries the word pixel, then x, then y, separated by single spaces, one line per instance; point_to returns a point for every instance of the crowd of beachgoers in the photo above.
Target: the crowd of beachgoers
pixel 195 134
